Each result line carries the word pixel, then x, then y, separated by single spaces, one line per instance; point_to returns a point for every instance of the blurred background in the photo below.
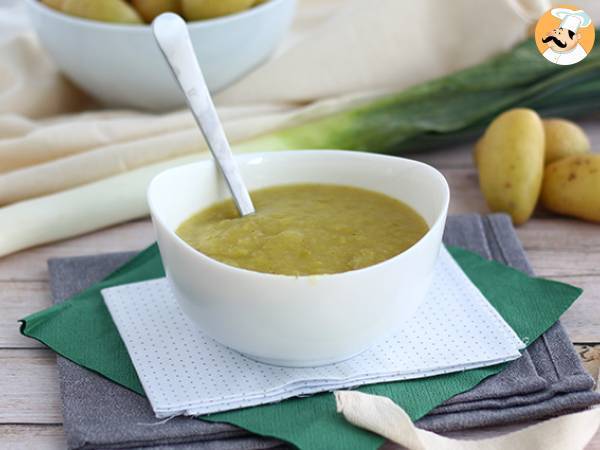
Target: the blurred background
pixel 89 115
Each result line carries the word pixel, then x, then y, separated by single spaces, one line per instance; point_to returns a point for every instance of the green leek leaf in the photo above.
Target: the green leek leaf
pixel 453 108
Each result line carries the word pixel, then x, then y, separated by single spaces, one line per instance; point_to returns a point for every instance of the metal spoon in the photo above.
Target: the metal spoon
pixel 171 34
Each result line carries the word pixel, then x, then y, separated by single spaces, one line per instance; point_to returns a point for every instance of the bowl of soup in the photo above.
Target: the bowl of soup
pixel 339 255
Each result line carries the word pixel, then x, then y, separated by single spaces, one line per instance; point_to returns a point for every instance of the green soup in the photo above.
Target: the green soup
pixel 306 229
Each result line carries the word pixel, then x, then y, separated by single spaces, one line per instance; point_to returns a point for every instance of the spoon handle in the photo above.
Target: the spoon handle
pixel 171 34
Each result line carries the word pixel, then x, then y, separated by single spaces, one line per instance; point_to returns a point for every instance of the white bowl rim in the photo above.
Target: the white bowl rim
pixel 272 276
pixel 145 27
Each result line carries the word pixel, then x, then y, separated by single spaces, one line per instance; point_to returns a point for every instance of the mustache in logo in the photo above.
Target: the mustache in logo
pixel 555 40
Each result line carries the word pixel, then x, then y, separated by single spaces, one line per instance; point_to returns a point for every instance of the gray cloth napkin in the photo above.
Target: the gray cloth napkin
pixel 99 414
pixel 547 380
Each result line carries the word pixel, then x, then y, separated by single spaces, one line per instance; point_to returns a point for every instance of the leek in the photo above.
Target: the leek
pixel 452 108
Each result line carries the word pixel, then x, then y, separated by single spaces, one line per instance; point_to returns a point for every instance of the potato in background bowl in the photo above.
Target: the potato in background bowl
pixel 121 65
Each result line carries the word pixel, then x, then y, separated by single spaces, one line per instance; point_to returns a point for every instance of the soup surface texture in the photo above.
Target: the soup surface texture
pixel 306 229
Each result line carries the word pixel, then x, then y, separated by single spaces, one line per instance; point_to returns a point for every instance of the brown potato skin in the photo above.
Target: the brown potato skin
pixel 510 160
pixel 572 187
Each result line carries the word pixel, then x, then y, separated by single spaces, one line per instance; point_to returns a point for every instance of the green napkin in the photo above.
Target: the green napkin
pixel 82 330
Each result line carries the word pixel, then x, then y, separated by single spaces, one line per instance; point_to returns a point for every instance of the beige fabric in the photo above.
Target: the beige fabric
pixel 392 45
pixel 382 416
pixel 56 157
pixel 39 143
pixel 339 52
pixel 30 83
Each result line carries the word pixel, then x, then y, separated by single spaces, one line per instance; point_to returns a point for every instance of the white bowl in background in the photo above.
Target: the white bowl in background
pixel 121 65
pixel 305 320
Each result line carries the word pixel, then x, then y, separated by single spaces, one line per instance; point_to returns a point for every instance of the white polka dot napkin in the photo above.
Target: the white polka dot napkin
pixel 185 372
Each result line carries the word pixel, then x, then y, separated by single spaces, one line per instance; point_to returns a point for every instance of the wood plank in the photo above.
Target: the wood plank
pixel 486 433
pixel 51 437
pixel 591 126
pixel 28 437
pixel 464 192
pixel 582 320
pixel 563 263
pixel 595 443
pixel 560 234
pixel 17 300
pixel 29 386
pixel 459 156
pixel 456 164
pixel 589 354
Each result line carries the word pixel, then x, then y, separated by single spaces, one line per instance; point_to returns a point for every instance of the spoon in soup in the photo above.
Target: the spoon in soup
pixel 173 39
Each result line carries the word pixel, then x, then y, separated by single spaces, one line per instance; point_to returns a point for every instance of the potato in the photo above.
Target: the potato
pixel 572 187
pixel 207 9
pixel 117 11
pixel 510 159
pixel 564 138
pixel 149 9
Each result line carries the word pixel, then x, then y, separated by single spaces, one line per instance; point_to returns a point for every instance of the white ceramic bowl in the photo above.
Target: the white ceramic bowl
pixel 307 320
pixel 121 65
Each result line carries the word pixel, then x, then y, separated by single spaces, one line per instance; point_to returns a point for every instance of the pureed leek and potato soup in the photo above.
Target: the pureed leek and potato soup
pixel 306 229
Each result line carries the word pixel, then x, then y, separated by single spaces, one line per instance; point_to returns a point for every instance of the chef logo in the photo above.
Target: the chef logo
pixel 565 35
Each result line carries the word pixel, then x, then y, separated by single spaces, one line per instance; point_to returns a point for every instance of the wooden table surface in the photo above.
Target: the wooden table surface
pixel 30 407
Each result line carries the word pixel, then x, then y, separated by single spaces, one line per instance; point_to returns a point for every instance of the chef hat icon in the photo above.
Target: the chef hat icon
pixel 571 20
